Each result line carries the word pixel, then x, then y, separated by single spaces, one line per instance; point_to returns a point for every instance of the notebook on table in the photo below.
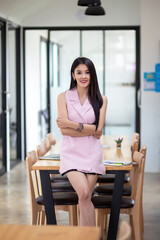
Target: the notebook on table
pixel 50 157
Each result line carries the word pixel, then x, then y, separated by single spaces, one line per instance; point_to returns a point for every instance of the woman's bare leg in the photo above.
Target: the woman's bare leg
pixel 83 185
pixel 92 179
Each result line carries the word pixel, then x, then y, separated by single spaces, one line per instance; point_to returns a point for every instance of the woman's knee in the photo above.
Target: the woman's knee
pixel 84 195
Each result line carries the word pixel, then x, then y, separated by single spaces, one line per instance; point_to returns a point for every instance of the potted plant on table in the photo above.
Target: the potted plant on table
pixel 119 141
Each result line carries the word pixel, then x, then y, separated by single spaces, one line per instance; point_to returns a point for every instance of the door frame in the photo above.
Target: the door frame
pixel 4 103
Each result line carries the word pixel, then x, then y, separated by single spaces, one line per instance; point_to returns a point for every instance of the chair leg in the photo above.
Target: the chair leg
pixel 105 221
pixel 132 227
pixel 78 215
pixel 34 217
pixel 137 226
pixel 38 217
pixel 142 219
pixel 100 214
pixel 43 218
pixel 73 215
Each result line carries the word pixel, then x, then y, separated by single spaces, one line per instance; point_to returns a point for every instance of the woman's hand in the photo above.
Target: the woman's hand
pixel 63 122
pixel 98 134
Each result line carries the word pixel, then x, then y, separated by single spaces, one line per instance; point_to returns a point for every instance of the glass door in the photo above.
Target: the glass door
pixel 1 153
pixel 44 113
pixel 36 72
pixel 120 81
pixel 94 50
pixel 2 101
pixel 12 95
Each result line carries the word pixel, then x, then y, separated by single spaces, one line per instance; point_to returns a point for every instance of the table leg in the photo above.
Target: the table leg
pixel 115 207
pixel 48 197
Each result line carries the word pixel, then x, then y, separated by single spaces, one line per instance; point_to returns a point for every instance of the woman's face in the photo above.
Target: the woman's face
pixel 82 75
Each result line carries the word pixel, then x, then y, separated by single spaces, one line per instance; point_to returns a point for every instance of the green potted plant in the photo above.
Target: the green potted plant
pixel 119 141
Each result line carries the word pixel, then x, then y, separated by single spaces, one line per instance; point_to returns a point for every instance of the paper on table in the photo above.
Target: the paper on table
pixel 116 163
pixel 51 156
pixel 105 146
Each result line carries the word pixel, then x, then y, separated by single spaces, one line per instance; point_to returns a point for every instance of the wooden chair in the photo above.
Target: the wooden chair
pixel 109 178
pixel 62 200
pixel 59 183
pixel 37 211
pixel 51 138
pixel 135 142
pixel 42 149
pixel 47 143
pixel 129 205
pixel 142 150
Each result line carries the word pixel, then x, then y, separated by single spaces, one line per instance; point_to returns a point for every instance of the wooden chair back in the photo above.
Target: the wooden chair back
pixel 51 138
pixel 37 211
pixel 32 175
pixel 135 142
pixel 41 149
pixel 137 183
pixel 47 144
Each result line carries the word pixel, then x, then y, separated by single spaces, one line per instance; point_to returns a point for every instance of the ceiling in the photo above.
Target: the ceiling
pixel 67 13
pixel 19 10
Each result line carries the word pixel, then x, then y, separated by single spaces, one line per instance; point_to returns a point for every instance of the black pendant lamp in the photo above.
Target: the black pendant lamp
pixel 86 3
pixel 95 11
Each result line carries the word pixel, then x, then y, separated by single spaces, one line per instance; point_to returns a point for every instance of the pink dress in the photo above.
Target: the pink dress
pixel 81 153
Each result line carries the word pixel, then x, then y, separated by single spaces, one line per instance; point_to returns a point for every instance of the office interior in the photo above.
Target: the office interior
pixel 38 42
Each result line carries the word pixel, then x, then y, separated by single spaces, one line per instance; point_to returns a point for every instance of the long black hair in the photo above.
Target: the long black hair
pixel 94 94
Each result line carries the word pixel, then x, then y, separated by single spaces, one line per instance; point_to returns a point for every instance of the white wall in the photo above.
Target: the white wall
pixel 150 109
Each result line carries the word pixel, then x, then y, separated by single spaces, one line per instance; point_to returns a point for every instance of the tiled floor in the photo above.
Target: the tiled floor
pixel 15 205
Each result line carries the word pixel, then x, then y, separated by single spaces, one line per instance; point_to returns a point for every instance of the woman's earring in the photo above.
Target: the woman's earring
pixel 74 79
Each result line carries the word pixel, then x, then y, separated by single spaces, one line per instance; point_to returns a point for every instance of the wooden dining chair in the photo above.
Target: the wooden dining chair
pixel 37 210
pixel 66 201
pixel 51 138
pixel 109 178
pixel 134 147
pixel 135 142
pixel 42 149
pixel 143 150
pixel 47 143
pixel 59 183
pixel 129 205
pixel 107 189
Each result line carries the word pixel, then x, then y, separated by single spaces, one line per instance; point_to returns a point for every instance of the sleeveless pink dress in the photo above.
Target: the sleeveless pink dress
pixel 81 153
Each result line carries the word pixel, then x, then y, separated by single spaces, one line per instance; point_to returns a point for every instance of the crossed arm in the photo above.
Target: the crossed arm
pixel 69 128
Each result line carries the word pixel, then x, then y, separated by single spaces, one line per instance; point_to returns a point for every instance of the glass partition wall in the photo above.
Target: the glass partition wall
pixel 36 94
pixel 120 82
pixel 2 165
pixel 114 55
pixel 9 106
pixel 68 43
pixel 12 95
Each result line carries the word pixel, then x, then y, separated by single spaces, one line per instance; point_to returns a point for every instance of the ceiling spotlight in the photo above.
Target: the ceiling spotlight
pixel 85 3
pixel 95 11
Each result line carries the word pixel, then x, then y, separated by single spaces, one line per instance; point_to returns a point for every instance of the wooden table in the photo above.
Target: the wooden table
pixel 110 152
pixel 24 232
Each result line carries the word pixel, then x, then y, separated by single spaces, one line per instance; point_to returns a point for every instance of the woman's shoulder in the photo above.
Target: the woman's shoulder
pixel 66 95
pixel 62 95
pixel 105 100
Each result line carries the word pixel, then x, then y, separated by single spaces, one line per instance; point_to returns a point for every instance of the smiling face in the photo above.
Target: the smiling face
pixel 82 75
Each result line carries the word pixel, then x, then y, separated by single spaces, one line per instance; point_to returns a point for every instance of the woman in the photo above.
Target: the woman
pixel 81 117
